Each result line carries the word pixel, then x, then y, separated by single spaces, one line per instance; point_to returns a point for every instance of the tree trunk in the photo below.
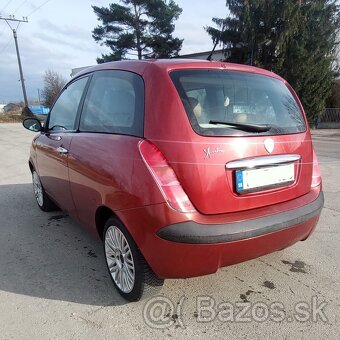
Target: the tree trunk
pixel 137 28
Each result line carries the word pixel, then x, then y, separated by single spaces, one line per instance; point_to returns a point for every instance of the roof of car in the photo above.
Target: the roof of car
pixel 140 66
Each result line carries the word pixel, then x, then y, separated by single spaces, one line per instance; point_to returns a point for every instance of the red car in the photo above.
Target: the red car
pixel 181 167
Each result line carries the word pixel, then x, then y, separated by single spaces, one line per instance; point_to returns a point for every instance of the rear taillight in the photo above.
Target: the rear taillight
pixel 316 177
pixel 165 178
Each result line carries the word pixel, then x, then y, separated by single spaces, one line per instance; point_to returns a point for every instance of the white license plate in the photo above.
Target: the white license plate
pixel 260 179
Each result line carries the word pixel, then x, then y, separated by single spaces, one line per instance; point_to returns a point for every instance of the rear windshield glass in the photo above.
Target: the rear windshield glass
pixel 250 103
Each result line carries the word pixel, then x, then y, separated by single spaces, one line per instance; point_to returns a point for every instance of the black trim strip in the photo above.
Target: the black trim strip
pixel 195 233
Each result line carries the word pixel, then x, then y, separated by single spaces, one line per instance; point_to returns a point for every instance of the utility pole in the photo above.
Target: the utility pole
pixel 24 19
pixel 39 97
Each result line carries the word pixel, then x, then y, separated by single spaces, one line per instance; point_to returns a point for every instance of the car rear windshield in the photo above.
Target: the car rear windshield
pixel 224 103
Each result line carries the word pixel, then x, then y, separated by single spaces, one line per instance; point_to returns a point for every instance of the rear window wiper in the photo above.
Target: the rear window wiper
pixel 244 127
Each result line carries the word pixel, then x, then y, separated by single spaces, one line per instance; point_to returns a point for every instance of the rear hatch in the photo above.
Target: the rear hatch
pixel 250 147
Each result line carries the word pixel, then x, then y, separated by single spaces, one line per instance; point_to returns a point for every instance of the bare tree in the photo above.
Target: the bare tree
pixel 53 84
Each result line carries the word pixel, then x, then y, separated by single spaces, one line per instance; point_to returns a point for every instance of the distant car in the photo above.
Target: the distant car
pixel 180 167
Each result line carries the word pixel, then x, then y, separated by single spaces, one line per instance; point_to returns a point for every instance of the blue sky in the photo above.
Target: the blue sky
pixel 58 37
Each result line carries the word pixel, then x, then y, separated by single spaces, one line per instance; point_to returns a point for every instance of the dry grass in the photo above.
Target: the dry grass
pixel 12 119
pixel 15 117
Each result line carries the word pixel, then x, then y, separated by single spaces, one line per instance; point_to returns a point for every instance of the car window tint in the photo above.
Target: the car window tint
pixel 114 104
pixel 236 97
pixel 64 111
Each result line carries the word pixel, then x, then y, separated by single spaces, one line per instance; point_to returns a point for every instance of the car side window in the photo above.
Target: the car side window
pixel 64 111
pixel 114 104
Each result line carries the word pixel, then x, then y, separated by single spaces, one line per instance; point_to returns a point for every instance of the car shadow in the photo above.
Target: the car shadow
pixel 48 255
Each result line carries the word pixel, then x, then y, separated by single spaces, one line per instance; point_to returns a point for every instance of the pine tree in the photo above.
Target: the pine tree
pixel 310 63
pixel 296 39
pixel 141 28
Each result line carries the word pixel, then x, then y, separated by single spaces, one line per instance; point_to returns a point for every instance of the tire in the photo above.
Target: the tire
pixel 128 269
pixel 42 199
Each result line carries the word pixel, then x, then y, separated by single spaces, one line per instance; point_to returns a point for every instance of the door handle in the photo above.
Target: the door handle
pixel 53 137
pixel 62 150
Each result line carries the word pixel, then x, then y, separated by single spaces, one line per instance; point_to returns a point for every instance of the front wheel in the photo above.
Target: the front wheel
pixel 129 271
pixel 44 202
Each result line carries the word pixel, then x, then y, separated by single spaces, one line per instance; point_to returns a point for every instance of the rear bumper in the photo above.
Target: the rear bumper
pixel 195 233
pixel 187 245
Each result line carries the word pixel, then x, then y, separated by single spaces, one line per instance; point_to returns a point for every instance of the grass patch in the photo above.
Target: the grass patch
pixel 12 119
pixel 17 117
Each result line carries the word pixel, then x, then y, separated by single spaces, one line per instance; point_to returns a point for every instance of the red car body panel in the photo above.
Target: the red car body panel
pixel 107 170
pixel 53 169
pixel 207 177
pixel 180 260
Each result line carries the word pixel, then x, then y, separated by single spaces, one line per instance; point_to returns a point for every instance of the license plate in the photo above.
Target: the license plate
pixel 264 178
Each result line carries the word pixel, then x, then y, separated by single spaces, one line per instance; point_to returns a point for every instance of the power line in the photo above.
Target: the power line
pixel 5 47
pixel 43 4
pixel 6 5
pixel 8 42
pixel 14 30
pixel 23 3
pixel 3 30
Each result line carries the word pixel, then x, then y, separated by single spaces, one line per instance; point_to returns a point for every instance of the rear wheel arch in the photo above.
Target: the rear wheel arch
pixel 103 213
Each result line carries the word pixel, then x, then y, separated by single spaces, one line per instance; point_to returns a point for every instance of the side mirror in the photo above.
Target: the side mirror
pixel 32 124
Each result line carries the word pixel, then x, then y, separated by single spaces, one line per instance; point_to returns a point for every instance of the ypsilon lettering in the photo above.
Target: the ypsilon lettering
pixel 209 152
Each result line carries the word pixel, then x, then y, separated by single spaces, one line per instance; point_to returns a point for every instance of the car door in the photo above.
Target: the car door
pixel 53 145
pixel 103 152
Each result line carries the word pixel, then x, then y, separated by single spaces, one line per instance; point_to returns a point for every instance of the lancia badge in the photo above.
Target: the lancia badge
pixel 269 145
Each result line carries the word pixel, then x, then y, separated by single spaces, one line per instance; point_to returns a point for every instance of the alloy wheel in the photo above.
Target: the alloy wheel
pixel 38 191
pixel 119 259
